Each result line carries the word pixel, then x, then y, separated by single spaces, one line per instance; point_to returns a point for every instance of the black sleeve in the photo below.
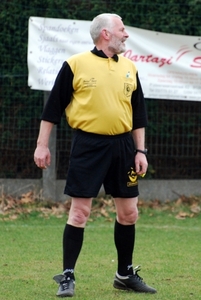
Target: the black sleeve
pixel 139 108
pixel 60 95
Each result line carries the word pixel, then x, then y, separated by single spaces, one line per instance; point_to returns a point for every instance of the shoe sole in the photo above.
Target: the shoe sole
pixel 125 288
pixel 121 287
pixel 66 295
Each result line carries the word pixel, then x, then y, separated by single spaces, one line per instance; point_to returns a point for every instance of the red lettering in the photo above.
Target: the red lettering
pixel 155 60
pixel 163 62
pixel 169 61
pixel 148 58
pixel 128 53
pixel 134 58
pixel 142 58
pixel 197 61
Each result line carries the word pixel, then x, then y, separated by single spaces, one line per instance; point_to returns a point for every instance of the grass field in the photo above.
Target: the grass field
pixel 168 249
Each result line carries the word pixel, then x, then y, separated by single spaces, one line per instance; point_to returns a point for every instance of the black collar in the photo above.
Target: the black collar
pixel 100 53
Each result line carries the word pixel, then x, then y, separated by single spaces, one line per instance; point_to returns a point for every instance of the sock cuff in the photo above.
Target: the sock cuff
pixel 124 229
pixel 71 271
pixel 121 277
pixel 75 233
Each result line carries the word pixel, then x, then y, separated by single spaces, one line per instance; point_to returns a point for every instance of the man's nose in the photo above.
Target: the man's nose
pixel 126 34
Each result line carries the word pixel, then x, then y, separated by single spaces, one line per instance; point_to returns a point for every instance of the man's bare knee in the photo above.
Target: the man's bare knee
pixel 128 218
pixel 79 212
pixel 78 217
pixel 127 211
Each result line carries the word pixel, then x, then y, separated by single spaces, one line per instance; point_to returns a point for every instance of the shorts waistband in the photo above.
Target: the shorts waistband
pixel 102 136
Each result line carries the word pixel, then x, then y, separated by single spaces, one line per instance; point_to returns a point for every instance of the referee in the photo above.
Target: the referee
pixel 101 95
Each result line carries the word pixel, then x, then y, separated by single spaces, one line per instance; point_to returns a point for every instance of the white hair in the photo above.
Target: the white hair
pixel 99 22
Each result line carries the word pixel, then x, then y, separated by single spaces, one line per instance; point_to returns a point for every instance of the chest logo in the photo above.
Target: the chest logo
pixel 128 89
pixel 89 83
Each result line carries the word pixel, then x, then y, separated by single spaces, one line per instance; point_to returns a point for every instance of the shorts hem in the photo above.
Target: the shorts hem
pixel 125 196
pixel 80 195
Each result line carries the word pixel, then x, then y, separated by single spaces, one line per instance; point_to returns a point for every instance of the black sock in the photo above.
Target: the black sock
pixel 72 244
pixel 124 237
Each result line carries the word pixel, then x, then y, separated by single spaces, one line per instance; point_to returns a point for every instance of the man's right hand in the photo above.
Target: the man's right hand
pixel 42 157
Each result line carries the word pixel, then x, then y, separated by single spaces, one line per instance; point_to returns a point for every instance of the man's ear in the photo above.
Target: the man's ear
pixel 105 34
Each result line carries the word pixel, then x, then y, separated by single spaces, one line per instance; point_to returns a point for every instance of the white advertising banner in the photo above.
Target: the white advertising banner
pixel 169 65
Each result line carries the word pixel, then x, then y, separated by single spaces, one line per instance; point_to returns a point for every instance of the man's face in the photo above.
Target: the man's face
pixel 118 37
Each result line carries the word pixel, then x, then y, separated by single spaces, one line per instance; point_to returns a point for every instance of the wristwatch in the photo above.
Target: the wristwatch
pixel 141 151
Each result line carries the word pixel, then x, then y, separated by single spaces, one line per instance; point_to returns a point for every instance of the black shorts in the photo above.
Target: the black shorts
pixel 100 159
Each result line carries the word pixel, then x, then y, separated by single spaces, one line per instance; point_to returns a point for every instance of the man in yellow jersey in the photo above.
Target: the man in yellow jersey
pixel 100 92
